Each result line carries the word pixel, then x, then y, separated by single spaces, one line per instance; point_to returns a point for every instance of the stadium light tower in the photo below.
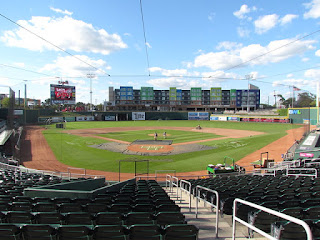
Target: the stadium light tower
pixel 90 76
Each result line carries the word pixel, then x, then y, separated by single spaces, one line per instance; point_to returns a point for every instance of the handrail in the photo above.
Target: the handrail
pixel 187 191
pixel 258 171
pixel 198 198
pixel 268 210
pixel 302 174
pixel 168 180
pixel 175 184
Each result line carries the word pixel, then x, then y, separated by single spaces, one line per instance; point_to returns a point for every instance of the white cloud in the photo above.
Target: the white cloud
pixel 300 83
pixel 66 12
pixel 243 11
pixel 265 23
pixel 70 66
pixel 211 16
pixel 173 72
pixel 227 59
pixel 314 9
pixel 229 45
pixel 290 75
pixel 305 59
pixel 312 73
pixel 242 32
pixel 148 45
pixel 288 19
pixel 66 32
pixel 317 53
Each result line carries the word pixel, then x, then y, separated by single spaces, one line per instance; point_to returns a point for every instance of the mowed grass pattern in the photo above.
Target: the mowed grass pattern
pixel 76 151
pixel 176 136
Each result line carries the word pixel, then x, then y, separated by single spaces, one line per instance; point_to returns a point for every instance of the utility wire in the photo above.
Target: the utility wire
pixel 145 39
pixel 61 49
pixel 5 65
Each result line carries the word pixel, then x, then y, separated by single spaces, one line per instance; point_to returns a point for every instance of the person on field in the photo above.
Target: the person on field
pixel 164 135
pixel 155 136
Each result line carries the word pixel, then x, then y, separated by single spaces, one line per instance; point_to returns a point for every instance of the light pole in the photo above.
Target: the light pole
pixel 90 76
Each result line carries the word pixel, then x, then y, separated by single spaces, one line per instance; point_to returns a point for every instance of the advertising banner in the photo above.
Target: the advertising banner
pixel 214 118
pixel 198 116
pixel 85 118
pixel 70 119
pixel 56 119
pixel 110 118
pixel 138 116
pixel 222 118
pixel 232 118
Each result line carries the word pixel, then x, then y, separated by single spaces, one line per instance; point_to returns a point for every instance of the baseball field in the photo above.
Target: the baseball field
pixel 101 145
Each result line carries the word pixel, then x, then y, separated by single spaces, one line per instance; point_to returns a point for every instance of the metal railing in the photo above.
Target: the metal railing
pixel 296 172
pixel 175 183
pixel 216 206
pixel 188 191
pixel 168 182
pixel 273 212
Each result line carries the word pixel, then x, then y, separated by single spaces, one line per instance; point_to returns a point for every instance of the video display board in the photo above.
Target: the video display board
pixel 61 94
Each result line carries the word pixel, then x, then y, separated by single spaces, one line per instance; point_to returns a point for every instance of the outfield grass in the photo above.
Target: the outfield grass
pixel 75 151
pixel 176 136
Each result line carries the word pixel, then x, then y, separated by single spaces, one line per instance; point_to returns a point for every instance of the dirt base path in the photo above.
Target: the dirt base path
pixel 36 153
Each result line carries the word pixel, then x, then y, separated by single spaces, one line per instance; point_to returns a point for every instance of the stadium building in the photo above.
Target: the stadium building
pixel 196 99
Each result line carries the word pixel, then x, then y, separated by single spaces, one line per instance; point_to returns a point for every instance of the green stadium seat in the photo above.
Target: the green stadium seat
pixel 38 231
pixel 111 232
pixel 181 231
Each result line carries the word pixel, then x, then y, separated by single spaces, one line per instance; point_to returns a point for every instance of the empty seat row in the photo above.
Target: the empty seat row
pixel 102 218
pixel 135 232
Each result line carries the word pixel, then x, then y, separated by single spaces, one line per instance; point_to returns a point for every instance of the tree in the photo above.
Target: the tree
pixel 5 102
pixel 306 99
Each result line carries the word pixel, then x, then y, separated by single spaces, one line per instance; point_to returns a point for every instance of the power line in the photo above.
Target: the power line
pixel 61 49
pixel 23 69
pixel 145 39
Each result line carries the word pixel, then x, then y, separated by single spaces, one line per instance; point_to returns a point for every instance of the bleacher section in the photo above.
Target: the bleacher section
pixel 295 196
pixel 139 210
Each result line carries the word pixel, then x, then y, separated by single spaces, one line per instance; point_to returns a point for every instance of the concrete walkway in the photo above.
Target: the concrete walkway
pixel 206 220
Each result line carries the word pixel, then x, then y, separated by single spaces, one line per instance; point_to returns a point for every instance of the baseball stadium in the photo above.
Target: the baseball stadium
pixel 81 178
pixel 159 120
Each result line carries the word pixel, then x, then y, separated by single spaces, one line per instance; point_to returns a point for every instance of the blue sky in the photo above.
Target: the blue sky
pixel 190 43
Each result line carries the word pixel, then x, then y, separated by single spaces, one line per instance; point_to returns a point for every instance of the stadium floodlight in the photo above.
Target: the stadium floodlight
pixel 90 76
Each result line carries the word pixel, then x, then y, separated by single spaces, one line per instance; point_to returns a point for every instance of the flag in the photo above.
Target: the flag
pixel 296 89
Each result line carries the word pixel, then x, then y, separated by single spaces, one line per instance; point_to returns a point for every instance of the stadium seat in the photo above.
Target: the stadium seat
pixel 44 207
pixel 181 231
pixel 68 232
pixel 78 218
pixel 48 218
pixel 9 231
pixel 24 217
pixel 111 232
pixel 166 218
pixel 145 231
pixel 69 207
pixel 286 230
pixel 38 231
pixel 109 218
pixel 95 207
pixel 138 218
